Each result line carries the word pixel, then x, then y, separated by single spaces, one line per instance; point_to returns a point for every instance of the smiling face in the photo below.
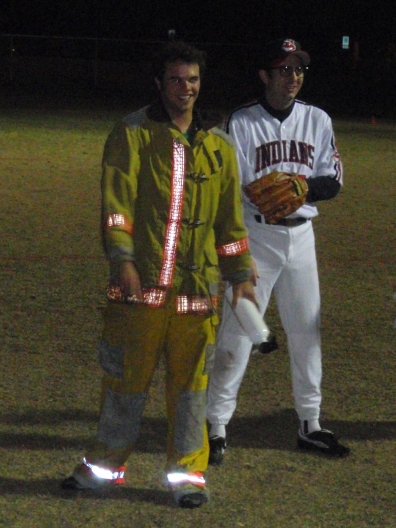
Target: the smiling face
pixel 179 88
pixel 281 91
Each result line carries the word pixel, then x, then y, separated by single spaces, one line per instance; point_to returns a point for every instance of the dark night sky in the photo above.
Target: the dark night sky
pixel 314 22
pixel 359 80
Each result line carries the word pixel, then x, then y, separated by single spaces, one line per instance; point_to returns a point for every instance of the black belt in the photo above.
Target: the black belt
pixel 288 222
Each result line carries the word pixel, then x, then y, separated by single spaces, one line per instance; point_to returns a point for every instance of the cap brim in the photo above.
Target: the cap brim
pixel 303 55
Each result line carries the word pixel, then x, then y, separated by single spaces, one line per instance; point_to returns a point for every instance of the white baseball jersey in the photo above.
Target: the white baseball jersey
pixel 303 143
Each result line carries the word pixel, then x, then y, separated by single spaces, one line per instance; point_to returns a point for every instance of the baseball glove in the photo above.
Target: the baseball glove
pixel 277 195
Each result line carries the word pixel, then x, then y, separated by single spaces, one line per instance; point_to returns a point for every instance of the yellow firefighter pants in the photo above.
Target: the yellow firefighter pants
pixel 133 340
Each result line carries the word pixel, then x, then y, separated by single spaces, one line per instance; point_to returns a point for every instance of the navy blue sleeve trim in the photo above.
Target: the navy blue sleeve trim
pixel 322 188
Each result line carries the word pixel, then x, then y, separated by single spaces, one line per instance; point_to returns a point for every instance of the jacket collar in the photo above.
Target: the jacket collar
pixel 201 120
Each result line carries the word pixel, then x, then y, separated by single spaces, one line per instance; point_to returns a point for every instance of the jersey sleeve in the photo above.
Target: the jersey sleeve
pixel 231 235
pixel 328 160
pixel 120 166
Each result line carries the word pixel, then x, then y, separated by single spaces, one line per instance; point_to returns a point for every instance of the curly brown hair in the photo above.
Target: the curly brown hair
pixel 175 51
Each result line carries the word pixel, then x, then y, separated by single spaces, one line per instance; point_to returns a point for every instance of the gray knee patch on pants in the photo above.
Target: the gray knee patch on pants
pixel 119 423
pixel 190 421
pixel 111 359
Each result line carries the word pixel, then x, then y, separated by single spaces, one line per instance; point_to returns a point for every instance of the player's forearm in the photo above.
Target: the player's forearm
pixel 322 188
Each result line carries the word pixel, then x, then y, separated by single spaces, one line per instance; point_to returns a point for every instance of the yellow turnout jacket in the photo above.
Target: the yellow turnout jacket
pixel 172 207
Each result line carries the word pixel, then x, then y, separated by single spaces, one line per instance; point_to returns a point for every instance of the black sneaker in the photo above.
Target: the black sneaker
pixel 217 445
pixel 193 500
pixel 70 483
pixel 269 346
pixel 322 441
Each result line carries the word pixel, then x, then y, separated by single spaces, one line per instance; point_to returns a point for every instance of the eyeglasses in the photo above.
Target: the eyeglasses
pixel 286 71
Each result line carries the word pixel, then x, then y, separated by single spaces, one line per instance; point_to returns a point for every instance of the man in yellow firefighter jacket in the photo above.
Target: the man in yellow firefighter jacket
pixel 172 218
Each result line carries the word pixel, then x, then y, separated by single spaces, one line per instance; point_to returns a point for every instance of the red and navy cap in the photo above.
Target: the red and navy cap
pixel 276 51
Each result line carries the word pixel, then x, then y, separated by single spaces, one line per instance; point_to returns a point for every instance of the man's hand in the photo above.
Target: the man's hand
pixel 243 289
pixel 253 271
pixel 129 281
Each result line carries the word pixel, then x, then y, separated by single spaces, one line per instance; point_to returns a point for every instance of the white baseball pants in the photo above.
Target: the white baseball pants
pixel 286 262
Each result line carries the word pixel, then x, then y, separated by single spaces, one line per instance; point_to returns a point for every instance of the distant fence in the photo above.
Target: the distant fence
pixel 121 67
pixel 68 58
pixel 117 65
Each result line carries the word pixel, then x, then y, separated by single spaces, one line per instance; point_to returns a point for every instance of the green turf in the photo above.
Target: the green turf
pixel 53 277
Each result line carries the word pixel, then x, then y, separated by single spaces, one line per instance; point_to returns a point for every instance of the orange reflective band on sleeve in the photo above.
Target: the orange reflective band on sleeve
pixel 233 248
pixel 119 220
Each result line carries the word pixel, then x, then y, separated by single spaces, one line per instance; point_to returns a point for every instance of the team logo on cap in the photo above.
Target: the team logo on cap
pixel 289 45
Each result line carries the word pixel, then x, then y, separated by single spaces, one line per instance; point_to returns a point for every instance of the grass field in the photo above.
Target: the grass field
pixel 53 275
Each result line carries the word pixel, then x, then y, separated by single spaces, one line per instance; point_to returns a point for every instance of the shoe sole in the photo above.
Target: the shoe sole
pixel 339 452
pixel 71 484
pixel 193 500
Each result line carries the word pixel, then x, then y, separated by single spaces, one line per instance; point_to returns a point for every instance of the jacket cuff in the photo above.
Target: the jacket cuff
pixel 120 254
pixel 238 277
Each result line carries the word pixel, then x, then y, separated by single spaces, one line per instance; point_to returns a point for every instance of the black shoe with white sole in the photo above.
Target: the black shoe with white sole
pixel 217 445
pixel 322 441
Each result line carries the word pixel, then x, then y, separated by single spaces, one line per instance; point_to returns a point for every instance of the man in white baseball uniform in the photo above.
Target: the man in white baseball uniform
pixel 280 133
